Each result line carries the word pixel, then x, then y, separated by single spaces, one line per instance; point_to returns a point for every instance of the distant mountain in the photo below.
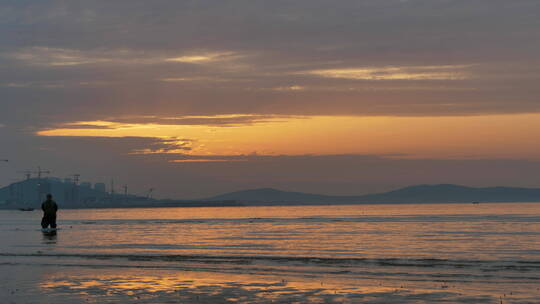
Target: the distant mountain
pixel 30 193
pixel 445 193
pixel 270 195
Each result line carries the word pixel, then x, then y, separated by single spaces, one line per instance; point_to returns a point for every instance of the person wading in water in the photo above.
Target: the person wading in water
pixel 49 208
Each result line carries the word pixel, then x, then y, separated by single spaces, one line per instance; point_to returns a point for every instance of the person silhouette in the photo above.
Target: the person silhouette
pixel 49 208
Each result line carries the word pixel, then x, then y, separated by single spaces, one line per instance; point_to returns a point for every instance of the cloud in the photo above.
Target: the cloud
pixel 205 160
pixel 239 134
pixel 189 64
pixel 290 88
pixel 86 126
pixel 204 57
pixel 207 134
pixel 167 145
pixel 37 84
pixel 100 159
pixel 195 79
pixel 60 57
pixel 443 72
pixel 191 120
pixel 46 56
pixel 301 58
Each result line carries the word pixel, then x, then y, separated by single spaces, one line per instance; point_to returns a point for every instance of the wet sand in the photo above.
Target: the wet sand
pixel 42 280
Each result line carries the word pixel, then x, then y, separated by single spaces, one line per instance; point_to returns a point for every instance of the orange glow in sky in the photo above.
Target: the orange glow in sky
pixel 431 137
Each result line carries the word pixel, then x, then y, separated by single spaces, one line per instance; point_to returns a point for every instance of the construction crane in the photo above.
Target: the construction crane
pixel 149 194
pixel 26 173
pixel 42 186
pixel 125 193
pixel 74 195
pixel 39 172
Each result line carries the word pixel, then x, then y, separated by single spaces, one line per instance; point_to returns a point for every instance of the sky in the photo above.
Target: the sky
pixel 197 98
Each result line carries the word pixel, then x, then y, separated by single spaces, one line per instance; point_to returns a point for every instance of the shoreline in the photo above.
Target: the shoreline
pixel 87 283
pixel 278 205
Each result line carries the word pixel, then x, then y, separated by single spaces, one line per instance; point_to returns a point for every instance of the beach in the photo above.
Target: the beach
pixel 440 253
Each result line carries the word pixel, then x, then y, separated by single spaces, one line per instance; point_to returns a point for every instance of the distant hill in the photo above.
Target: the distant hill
pixel 25 194
pixel 444 193
pixel 270 195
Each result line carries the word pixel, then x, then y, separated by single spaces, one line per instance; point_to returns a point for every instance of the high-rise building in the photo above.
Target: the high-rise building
pixel 100 187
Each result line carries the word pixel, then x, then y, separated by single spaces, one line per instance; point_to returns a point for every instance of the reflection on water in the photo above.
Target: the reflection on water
pixel 466 231
pixel 193 287
pixel 446 253
pixel 49 238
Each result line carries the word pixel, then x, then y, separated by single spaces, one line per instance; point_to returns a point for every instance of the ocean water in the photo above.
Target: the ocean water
pixel 485 253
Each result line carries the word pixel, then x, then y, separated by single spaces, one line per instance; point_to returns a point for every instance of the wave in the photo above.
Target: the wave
pixel 482 265
pixel 319 219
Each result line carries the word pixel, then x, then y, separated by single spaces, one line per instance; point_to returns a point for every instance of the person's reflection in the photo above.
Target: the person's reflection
pixel 49 237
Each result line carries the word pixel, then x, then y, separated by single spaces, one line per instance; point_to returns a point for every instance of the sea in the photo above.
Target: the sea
pixel 368 253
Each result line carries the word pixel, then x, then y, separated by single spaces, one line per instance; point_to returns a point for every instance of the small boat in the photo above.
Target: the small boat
pixel 26 209
pixel 475 203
